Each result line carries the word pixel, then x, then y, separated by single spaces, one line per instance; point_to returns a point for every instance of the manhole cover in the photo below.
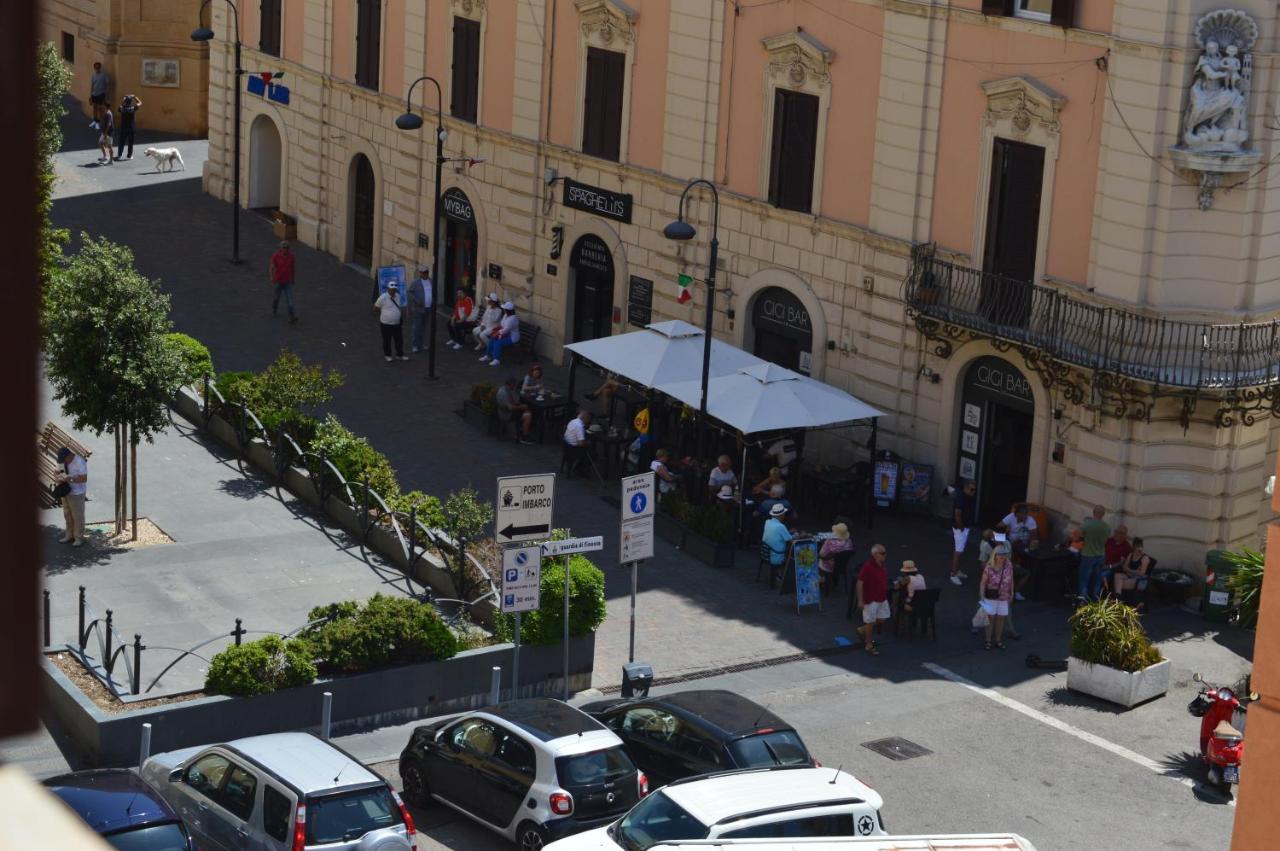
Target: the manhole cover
pixel 897 748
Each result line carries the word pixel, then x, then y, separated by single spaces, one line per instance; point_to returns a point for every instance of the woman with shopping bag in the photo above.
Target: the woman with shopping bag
pixel 996 590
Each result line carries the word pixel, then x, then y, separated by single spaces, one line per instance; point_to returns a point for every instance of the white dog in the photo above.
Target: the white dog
pixel 165 158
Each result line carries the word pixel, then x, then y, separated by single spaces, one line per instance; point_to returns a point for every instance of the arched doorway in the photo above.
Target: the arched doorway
pixel 591 268
pixel 363 193
pixel 458 265
pixel 264 164
pixel 781 330
pixel 997 415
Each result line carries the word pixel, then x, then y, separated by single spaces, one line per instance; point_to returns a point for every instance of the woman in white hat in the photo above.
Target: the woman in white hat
pixel 506 334
pixel 489 320
pixel 909 582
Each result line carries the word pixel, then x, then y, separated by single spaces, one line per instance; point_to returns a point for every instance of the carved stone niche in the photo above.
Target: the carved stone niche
pixel 606 22
pixel 470 8
pixel 1030 108
pixel 798 60
pixel 1214 133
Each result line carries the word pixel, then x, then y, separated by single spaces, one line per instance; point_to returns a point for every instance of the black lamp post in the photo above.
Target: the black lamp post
pixel 682 230
pixel 412 121
pixel 206 34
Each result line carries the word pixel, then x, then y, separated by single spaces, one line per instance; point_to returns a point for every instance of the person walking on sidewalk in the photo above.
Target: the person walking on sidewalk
pixel 75 474
pixel 128 108
pixel 391 321
pixel 873 596
pixel 422 297
pixel 964 511
pixel 1094 553
pixel 98 83
pixel 106 134
pixel 281 271
pixel 996 594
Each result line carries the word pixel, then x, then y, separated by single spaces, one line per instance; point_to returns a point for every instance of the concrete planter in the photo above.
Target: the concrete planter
pixel 669 529
pixel 478 417
pixel 361 702
pixel 1115 686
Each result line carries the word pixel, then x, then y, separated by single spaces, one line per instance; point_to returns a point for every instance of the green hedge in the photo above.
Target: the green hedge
pixel 355 457
pixel 381 632
pixel 260 667
pixel 193 355
pixel 545 625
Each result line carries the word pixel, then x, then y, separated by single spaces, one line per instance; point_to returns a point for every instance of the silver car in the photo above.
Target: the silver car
pixel 281 792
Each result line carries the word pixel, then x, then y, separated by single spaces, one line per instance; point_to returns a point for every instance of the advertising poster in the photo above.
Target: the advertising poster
pixel 805 553
pixel 393 275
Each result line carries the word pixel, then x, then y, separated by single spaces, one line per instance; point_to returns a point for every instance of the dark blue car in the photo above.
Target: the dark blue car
pixel 123 810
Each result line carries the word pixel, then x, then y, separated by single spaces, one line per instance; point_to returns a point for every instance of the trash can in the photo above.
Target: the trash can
pixel 636 679
pixel 1216 604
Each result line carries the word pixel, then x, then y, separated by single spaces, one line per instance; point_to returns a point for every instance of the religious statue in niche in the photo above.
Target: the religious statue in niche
pixel 1215 126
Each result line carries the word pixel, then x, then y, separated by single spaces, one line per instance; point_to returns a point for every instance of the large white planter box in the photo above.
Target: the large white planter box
pixel 1118 686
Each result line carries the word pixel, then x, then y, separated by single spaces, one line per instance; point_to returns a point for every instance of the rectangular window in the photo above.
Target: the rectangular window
pixel 269 29
pixel 69 47
pixel 1060 13
pixel 465 97
pixel 795 143
pixel 277 813
pixel 368 42
pixel 602 105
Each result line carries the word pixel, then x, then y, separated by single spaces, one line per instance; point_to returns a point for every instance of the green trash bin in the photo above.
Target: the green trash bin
pixel 1217 603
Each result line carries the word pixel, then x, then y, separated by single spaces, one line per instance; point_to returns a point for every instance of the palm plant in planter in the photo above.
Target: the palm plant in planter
pixel 1111 656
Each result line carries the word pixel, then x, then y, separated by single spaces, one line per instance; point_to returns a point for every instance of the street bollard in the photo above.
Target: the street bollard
pixel 495 685
pixel 326 714
pixel 145 750
pixel 47 633
pixel 137 663
pixel 80 636
pixel 107 659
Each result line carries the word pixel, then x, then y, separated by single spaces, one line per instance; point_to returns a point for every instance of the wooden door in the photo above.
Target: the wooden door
pixel 362 212
pixel 1013 227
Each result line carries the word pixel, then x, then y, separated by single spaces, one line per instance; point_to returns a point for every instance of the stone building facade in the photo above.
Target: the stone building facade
pixel 967 215
pixel 145 48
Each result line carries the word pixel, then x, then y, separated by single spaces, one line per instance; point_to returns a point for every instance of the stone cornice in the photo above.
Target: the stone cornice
pixel 798 58
pixel 606 20
pixel 469 8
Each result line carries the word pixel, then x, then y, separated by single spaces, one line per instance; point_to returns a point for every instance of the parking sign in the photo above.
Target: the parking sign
pixel 521 578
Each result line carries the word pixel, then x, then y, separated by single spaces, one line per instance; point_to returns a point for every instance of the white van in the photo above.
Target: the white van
pixel 971 842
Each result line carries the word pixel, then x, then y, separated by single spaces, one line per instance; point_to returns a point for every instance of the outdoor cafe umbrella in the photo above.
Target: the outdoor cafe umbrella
pixel 766 397
pixel 662 353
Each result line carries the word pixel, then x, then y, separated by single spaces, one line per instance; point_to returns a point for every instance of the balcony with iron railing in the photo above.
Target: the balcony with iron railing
pixel 949 301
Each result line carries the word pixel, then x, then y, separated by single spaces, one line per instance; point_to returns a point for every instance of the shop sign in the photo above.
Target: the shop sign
pixel 456 206
pixel 999 377
pixel 782 312
pixel 590 253
pixel 593 199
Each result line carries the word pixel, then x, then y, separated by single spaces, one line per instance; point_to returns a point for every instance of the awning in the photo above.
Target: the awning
pixel 663 353
pixel 767 397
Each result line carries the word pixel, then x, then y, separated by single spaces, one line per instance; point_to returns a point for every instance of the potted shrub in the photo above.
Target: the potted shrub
pixel 481 407
pixel 1111 656
pixel 670 521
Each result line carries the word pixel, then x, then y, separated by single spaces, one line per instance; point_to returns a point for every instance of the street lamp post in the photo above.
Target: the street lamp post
pixel 683 231
pixel 206 34
pixel 412 121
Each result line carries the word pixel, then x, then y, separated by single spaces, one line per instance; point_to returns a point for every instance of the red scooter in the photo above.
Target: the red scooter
pixel 1221 743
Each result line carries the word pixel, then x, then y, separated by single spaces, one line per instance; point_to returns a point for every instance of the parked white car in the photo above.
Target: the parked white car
pixel 957 842
pixel 750 804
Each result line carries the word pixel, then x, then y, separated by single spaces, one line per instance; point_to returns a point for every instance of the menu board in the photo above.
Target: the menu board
pixel 640 302
pixel 805 554
pixel 916 485
pixel 884 482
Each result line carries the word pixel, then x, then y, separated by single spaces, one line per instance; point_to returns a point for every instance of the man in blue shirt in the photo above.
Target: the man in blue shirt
pixel 963 518
pixel 776 537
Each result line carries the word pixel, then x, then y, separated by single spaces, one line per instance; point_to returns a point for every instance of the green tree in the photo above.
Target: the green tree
pixel 465 518
pixel 53 80
pixel 107 356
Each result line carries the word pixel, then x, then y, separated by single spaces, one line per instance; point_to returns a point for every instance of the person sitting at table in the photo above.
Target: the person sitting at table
pixel 1021 529
pixel 839 543
pixel 776 537
pixel 776 496
pixel 575 441
pixel 768 483
pixel 909 581
pixel 722 475
pixel 666 478
pixel 1134 570
pixel 604 392
pixel 513 407
pixel 532 384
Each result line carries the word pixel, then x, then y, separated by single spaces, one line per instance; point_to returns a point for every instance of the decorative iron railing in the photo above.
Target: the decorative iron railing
pixel 950 302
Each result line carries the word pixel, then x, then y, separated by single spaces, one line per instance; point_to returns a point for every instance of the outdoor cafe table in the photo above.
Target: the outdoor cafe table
pixel 549 408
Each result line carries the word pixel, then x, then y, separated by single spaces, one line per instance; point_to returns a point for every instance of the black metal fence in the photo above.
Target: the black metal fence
pixel 1168 352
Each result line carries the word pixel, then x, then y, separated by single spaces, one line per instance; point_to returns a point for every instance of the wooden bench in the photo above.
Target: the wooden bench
pixel 526 347
pixel 48 441
pixel 46 469
pixel 52 438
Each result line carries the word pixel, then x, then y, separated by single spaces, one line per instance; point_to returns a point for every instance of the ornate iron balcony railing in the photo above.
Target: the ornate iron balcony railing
pixel 951 301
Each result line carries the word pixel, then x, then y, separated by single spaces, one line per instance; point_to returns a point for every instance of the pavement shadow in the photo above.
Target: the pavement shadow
pixel 63 558
pixel 1190 765
pixel 1063 696
pixel 245 487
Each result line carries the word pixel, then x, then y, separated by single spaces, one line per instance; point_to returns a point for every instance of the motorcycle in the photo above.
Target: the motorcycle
pixel 1221 741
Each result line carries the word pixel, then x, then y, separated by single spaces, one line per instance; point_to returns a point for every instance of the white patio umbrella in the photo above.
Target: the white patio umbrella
pixel 662 353
pixel 766 397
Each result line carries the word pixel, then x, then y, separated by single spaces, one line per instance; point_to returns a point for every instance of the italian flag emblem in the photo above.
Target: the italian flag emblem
pixel 683 282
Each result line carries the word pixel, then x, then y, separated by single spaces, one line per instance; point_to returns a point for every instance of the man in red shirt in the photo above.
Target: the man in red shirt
pixel 462 320
pixel 873 596
pixel 281 272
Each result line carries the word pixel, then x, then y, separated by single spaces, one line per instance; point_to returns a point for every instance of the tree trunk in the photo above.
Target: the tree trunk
pixel 119 482
pixel 133 482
